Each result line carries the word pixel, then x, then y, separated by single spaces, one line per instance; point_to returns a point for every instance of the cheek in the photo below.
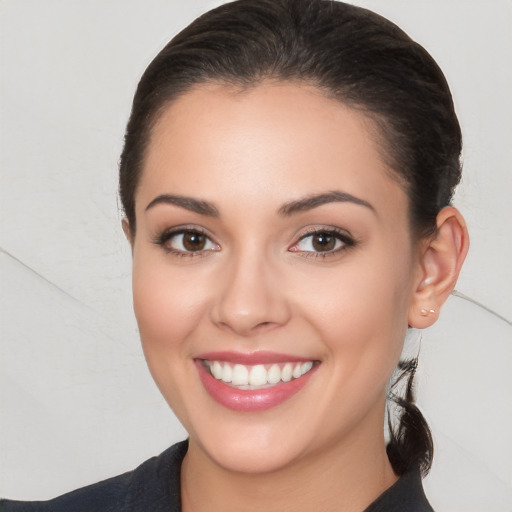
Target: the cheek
pixel 361 310
pixel 167 307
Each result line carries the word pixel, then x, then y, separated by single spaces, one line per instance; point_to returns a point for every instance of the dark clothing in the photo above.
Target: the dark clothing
pixel 406 495
pixel 155 487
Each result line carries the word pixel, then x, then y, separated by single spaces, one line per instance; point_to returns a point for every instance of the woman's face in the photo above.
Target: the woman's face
pixel 272 251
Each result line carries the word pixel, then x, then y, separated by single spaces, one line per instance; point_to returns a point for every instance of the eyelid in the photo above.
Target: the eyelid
pixel 167 234
pixel 342 235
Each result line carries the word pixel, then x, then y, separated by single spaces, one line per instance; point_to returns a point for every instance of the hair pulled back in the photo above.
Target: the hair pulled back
pixel 352 55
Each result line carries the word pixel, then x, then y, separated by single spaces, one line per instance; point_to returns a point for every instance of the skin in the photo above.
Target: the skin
pixel 260 285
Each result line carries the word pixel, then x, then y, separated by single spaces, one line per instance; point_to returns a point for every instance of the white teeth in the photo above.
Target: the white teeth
pixel 227 373
pixel 217 370
pixel 240 375
pixel 286 373
pixel 259 375
pixel 305 367
pixel 274 374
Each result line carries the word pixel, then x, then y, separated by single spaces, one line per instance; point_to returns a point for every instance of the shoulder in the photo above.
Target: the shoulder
pixel 154 485
pixel 406 495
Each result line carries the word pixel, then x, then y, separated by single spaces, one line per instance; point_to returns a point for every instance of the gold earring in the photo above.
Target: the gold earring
pixel 425 312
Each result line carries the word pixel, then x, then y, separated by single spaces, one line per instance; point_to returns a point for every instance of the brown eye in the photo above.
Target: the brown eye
pixel 186 242
pixel 194 241
pixel 326 242
pixel 323 242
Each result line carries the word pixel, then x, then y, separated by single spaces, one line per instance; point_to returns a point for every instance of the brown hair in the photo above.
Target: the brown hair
pixel 354 56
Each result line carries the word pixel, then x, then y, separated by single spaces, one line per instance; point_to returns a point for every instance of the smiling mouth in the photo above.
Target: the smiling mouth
pixel 259 376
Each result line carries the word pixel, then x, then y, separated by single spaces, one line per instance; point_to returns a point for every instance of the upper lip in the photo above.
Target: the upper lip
pixel 253 358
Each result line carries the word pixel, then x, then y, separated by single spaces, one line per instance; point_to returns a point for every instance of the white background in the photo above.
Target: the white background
pixel 77 403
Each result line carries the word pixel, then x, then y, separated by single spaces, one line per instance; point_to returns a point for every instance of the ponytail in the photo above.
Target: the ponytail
pixel 410 445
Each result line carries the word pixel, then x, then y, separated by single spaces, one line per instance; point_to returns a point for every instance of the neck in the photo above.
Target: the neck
pixel 346 477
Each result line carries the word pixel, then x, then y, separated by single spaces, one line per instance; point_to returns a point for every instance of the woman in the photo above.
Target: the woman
pixel 287 176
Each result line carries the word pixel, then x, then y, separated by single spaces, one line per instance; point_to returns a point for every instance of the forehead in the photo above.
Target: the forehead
pixel 277 139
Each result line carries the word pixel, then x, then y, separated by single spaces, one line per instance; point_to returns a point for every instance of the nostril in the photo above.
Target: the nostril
pixel 247 329
pixel 264 326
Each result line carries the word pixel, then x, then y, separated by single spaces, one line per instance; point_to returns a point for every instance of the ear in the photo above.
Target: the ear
pixel 127 230
pixel 441 259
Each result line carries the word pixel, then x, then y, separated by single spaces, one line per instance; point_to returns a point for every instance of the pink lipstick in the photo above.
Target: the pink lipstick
pixel 255 381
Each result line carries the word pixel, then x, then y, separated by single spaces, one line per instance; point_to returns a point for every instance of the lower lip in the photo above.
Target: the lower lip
pixel 250 400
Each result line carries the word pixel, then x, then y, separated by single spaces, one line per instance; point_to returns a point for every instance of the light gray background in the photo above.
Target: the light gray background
pixel 77 403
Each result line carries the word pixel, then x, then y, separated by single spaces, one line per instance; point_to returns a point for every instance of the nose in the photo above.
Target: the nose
pixel 251 298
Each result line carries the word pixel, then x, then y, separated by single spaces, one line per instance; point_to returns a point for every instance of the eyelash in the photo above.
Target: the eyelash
pixel 169 234
pixel 340 235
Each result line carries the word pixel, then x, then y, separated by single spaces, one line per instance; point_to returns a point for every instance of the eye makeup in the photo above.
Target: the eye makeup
pixel 323 242
pixel 186 241
pixel 193 241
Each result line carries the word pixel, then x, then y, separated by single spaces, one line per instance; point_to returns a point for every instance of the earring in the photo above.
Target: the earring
pixel 425 312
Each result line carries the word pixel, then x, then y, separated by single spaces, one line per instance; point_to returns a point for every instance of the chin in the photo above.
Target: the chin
pixel 251 459
pixel 248 446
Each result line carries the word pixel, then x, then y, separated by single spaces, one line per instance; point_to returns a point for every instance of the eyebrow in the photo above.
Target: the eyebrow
pixel 314 201
pixel 188 203
pixel 300 205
